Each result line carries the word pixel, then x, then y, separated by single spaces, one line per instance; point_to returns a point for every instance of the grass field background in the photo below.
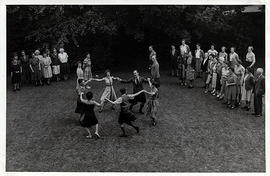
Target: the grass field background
pixel 195 133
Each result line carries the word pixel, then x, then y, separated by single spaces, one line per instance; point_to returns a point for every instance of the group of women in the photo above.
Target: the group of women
pixel 226 76
pixel 85 103
pixel 39 68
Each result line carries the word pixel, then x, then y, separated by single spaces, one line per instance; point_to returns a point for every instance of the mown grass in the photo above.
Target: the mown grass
pixel 195 133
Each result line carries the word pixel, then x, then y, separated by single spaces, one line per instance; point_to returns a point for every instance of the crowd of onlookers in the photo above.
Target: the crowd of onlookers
pixel 225 76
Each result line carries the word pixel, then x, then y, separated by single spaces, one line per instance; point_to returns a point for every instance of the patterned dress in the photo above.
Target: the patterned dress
pixel 109 91
pixel 190 72
pixel 87 69
pixel 35 64
pixel 47 70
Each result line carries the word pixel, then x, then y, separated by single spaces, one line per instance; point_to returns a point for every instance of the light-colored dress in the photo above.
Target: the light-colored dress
pixel 47 70
pixel 87 69
pixel 152 105
pixel 224 55
pixel 79 76
pixel 246 94
pixel 109 91
pixel 214 74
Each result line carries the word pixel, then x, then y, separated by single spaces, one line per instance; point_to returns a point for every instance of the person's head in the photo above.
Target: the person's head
pixel 212 47
pixel 183 41
pixel 54 50
pixel 37 52
pixel 107 72
pixel 79 64
pixel 250 48
pixel 172 47
pixel 45 54
pixel 223 48
pixel 89 95
pixel 23 53
pixel 61 50
pixel 15 56
pixel 150 48
pixel 206 55
pixel 259 71
pixel 221 59
pixel 198 46
pixel 232 49
pixel 88 56
pixel 123 91
pixel 135 73
pixel 48 51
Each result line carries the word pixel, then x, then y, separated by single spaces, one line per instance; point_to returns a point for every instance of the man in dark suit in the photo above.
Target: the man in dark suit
pixel 259 91
pixel 137 82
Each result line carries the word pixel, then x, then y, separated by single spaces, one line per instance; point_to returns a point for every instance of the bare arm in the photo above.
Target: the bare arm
pixel 83 100
pixel 118 101
pixel 95 103
pixel 126 81
pixel 134 95
pixel 253 61
pixel 95 79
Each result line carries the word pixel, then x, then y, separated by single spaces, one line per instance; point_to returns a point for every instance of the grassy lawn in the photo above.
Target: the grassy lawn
pixel 195 133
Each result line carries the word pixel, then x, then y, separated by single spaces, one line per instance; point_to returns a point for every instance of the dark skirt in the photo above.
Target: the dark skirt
pixel 88 119
pixel 80 107
pixel 126 117
pixel 64 68
pixel 36 75
pixel 16 77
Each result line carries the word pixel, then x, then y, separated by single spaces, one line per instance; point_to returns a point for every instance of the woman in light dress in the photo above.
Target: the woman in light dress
pixel 46 65
pixel 250 59
pixel 109 92
pixel 87 67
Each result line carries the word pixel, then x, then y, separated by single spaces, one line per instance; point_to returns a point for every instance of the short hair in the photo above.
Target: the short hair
pixel 213 45
pixel 198 44
pixel 183 40
pixel 89 95
pixel 88 53
pixel 15 54
pixel 224 47
pixel 106 71
pixel 260 70
pixel 251 47
pixel 123 90
pixel 233 47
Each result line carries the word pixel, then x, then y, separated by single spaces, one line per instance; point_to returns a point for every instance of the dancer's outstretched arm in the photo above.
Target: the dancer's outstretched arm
pixel 125 81
pixel 83 100
pixel 95 103
pixel 95 79
pixel 118 101
pixel 134 95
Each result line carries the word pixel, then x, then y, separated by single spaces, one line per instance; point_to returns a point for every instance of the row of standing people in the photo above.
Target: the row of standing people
pixel 85 107
pixel 39 69
pixel 225 75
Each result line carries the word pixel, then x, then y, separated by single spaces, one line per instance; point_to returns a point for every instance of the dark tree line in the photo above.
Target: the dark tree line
pixel 114 34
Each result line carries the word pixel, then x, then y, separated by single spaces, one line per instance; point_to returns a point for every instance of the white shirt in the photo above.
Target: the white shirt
pixel 183 49
pixel 63 57
pixel 197 54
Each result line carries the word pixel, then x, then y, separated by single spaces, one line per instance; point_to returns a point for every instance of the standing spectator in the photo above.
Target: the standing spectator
pixel 259 91
pixel 35 67
pixel 224 78
pixel 155 76
pixel 220 64
pixel 209 74
pixel 204 68
pixel 231 88
pixel 152 52
pixel 223 54
pixel 80 76
pixel 199 55
pixel 174 60
pixel 87 67
pixel 64 67
pixel 16 71
pixel 190 71
pixel 47 70
pixel 40 58
pixel 250 59
pixel 247 88
pixel 55 65
pixel 26 72
pixel 233 57
pixel 184 51
pixel 213 51
pixel 214 75
pixel 239 71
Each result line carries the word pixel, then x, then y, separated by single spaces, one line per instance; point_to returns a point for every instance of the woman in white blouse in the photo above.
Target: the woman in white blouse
pixel 250 58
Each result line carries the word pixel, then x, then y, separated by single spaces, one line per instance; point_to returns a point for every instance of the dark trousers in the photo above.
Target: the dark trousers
pixel 258 104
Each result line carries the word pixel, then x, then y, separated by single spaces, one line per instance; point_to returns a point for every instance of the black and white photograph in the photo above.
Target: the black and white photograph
pixel 134 88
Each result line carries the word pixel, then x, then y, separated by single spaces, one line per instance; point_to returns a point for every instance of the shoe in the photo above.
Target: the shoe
pixel 123 135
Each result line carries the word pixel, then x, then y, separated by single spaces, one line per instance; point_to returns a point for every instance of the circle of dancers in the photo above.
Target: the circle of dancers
pixel 226 76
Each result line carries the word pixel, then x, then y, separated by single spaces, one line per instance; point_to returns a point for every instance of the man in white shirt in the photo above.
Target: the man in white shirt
pixel 64 67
